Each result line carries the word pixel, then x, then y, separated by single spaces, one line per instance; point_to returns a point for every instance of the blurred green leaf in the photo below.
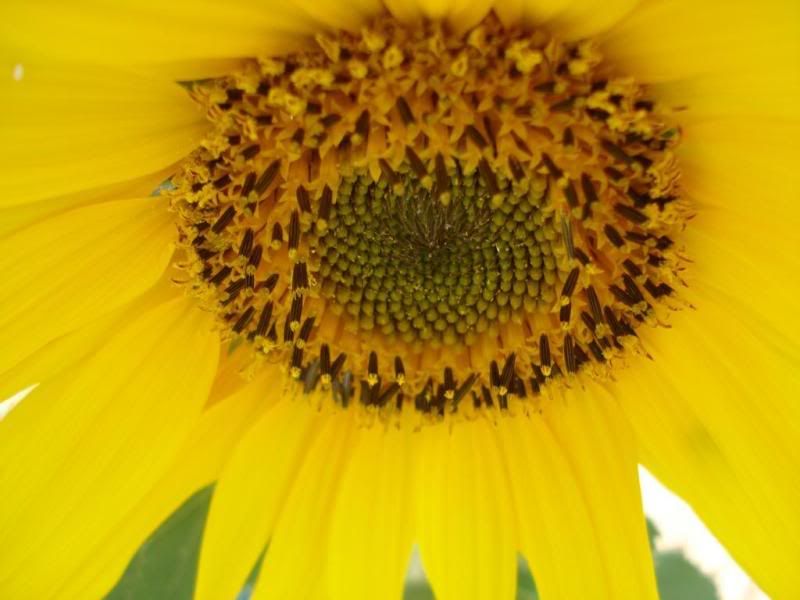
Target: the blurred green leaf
pixel 164 567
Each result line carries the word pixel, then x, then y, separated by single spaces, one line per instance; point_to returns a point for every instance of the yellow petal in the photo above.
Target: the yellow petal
pixel 598 444
pixel 576 19
pixel 249 495
pixel 191 34
pixel 554 519
pixel 14 218
pixel 743 241
pixel 197 464
pixel 68 128
pixel 719 425
pixel 80 451
pixel 464 524
pixel 371 535
pixel 295 559
pixel 63 273
pixel 675 39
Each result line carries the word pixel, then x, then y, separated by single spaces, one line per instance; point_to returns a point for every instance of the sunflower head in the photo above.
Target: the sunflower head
pixel 405 216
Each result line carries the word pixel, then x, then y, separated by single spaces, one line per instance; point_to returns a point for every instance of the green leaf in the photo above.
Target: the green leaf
pixel 164 567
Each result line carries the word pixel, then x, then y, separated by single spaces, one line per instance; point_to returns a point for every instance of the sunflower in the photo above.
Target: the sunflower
pixel 433 273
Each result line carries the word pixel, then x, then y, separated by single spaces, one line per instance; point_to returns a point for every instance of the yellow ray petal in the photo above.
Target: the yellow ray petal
pixel 249 495
pixel 294 562
pixel 556 520
pixel 716 418
pixel 14 218
pixel 598 444
pixel 464 529
pixel 674 39
pixel 584 18
pixel 371 536
pixel 68 128
pixel 198 463
pixel 743 241
pixel 63 273
pixel 191 34
pixel 80 451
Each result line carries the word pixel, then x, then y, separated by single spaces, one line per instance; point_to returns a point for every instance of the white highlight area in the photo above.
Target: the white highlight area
pixel 681 529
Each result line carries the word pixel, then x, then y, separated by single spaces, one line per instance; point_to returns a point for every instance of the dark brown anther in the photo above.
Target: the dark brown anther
pixel 594 304
pixel 247 243
pixel 616 152
pixel 538 373
pixel 272 334
pixel 516 168
pixel 664 242
pixel 251 151
pixel 551 166
pixel 249 184
pixel 654 260
pixel 636 237
pixel 296 362
pixel 632 289
pixel 569 354
pixel 631 267
pixel 277 234
pixel 399 369
pixel 597 114
pixel 405 111
pixel 563 105
pixel 588 321
pixel 517 387
pixel 267 177
pixel 520 143
pixel 387 171
pixel 613 174
pixel 589 191
pixel 255 257
pixel 487 125
pixel 294 230
pixel 544 350
pixel 233 291
pixel 224 220
pixel 264 319
pixel 448 379
pixel 508 372
pixel 548 87
pixel 442 178
pixel 463 390
pixel 622 295
pixel 488 176
pixel 293 319
pixel 536 389
pixel 221 275
pixel 476 136
pixel 664 289
pixel 416 162
pixel 298 137
pixel 330 120
pixel 305 330
pixel 494 374
pixel 596 351
pixel 487 396
pixel 372 365
pixel 205 253
pixel 570 283
pixel 387 394
pixel 647 105
pixel 299 277
pixel 581 256
pixel 630 213
pixel 234 94
pixel 270 282
pixel 613 322
pixel 568 139
pixel 565 313
pixel 613 235
pixel 303 199
pixel 362 126
pixel 244 320
pixel 222 181
pixel 314 108
pixel 325 202
pixel 337 365
pixel 234 140
pixel 581 358
pixel 325 360
pixel 571 195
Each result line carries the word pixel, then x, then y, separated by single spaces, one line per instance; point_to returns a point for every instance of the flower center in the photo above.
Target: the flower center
pixel 415 221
